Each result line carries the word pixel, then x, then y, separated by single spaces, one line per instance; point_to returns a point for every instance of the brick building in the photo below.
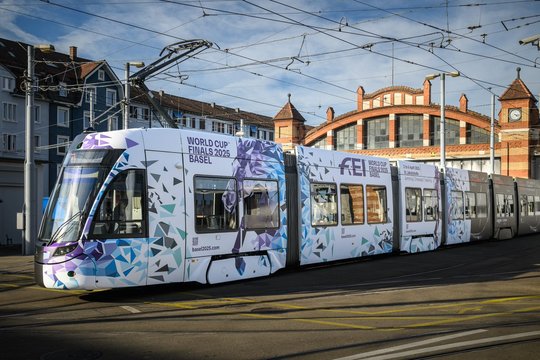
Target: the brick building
pixel 400 122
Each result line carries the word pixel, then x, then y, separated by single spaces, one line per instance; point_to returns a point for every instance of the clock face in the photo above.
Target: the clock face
pixel 515 114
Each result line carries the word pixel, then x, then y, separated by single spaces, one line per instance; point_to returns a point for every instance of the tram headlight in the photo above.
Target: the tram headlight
pixel 63 250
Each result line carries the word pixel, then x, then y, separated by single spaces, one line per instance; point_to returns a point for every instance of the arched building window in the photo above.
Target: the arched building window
pixel 410 130
pixel 376 133
pixel 451 129
pixel 345 138
pixel 477 135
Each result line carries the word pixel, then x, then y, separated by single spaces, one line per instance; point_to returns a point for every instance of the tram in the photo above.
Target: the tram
pixel 153 206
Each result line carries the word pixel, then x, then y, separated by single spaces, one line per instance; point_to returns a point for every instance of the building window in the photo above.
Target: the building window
pixel 376 134
pixel 201 124
pixel 62 89
pixel 37 114
pixel 451 130
pixel 10 112
pixel 476 135
pixel 145 113
pixel 110 99
pixel 86 120
pixel 37 143
pixel 218 127
pixel 8 84
pixel 62 116
pixel 101 75
pixel 112 123
pixel 91 93
pixel 271 136
pixel 10 142
pixel 63 143
pixel 345 138
pixel 410 130
pixel 320 143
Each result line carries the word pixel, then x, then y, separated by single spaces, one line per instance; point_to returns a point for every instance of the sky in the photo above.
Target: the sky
pixel 319 51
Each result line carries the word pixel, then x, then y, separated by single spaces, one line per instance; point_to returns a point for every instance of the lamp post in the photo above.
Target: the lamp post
pixel 443 120
pixel 30 208
pixel 138 64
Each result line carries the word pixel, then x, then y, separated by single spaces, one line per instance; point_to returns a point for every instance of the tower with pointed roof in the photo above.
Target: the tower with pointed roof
pixel 289 125
pixel 518 119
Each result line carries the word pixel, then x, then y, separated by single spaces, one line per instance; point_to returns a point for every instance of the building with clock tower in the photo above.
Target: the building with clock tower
pixel 519 131
pixel 403 123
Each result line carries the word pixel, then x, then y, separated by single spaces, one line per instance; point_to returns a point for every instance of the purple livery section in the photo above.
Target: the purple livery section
pixel 357 187
pixel 180 223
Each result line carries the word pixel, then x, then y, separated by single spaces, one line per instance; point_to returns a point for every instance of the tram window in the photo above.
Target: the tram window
pixel 431 205
pixel 323 204
pixel 121 212
pixel 376 204
pixel 481 205
pixel 530 203
pixel 470 205
pixel 413 200
pixel 261 204
pixel 215 204
pixel 456 205
pixel 352 204
pixel 505 205
pixel 537 205
pixel 523 207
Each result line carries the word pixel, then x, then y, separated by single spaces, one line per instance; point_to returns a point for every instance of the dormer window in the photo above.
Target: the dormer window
pixel 8 83
pixel 101 75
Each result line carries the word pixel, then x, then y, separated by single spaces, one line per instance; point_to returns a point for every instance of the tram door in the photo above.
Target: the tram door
pixel 166 215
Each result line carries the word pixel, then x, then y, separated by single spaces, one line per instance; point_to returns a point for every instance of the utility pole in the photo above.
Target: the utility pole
pixel 492 136
pixel 443 120
pixel 30 213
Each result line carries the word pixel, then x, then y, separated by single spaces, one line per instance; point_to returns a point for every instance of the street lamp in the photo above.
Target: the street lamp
pixel 30 208
pixel 443 121
pixel 138 64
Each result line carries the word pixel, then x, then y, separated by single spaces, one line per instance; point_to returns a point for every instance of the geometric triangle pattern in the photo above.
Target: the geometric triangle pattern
pixel 167 221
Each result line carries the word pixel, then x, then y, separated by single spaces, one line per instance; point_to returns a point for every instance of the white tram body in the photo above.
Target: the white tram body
pixel 154 206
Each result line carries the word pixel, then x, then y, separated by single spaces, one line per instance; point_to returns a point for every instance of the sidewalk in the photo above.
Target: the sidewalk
pixel 10 250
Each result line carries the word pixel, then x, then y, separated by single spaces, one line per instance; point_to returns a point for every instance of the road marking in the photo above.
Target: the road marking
pixel 130 309
pixel 411 345
pixel 461 344
pixel 215 305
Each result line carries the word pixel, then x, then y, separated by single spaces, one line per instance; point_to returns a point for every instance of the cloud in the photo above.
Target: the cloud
pixel 302 52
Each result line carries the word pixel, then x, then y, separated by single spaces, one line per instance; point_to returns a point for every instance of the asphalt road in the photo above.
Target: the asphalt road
pixel 480 301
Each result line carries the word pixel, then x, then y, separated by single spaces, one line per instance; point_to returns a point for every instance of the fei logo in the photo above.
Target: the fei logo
pixel 358 166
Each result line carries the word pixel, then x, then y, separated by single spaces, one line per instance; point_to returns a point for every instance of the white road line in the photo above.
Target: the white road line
pixel 411 345
pixel 456 345
pixel 130 309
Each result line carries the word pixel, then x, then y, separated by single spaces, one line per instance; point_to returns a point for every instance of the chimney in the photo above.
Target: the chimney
pixel 360 98
pixel 427 92
pixel 329 114
pixel 463 103
pixel 72 53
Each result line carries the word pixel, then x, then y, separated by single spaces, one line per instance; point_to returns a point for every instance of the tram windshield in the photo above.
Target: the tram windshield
pixel 74 194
